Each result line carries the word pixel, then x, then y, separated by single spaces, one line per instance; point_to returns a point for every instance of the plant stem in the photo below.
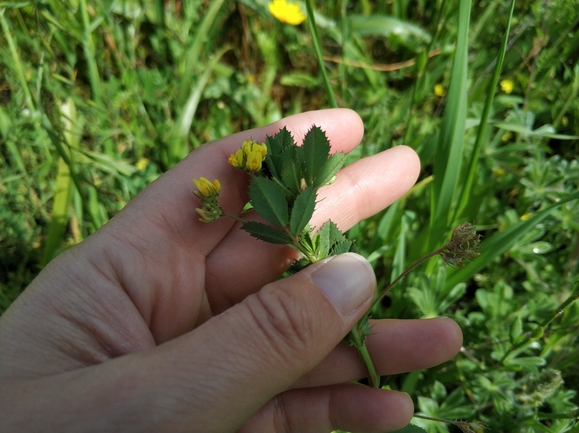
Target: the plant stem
pixel 360 344
pixel 406 272
pixel 233 217
pixel 318 51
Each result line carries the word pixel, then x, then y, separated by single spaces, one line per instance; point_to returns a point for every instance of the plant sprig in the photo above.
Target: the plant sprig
pixel 283 191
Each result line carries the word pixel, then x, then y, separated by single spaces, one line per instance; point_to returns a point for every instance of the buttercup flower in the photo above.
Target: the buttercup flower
pixel 142 164
pixel 289 13
pixel 439 90
pixel 507 86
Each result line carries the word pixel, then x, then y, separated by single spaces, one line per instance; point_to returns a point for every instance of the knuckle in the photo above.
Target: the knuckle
pixel 287 325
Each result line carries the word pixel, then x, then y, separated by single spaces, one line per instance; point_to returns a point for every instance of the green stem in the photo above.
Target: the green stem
pixel 403 274
pixel 365 355
pixel 318 51
pixel 233 217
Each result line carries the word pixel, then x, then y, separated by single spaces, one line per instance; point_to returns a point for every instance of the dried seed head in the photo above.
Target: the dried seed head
pixel 463 246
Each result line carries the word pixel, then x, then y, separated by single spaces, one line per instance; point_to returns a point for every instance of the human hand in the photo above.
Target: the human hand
pixel 158 322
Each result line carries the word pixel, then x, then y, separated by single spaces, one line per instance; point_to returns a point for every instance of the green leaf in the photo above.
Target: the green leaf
pixel 291 177
pixel 330 168
pixel 386 26
pixel 266 233
pixel 62 199
pixel 276 147
pixel 446 169
pixel 314 153
pixel 329 235
pixel 341 247
pixel 410 428
pixel 268 200
pixel 303 210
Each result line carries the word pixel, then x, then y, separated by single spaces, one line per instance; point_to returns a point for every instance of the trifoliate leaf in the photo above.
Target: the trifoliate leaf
pixel 314 153
pixel 268 199
pixel 302 210
pixel 266 233
pixel 330 168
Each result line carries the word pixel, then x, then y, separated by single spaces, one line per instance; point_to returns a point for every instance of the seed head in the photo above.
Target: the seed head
pixel 463 246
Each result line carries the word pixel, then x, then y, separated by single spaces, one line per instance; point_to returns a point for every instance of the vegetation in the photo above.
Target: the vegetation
pixel 98 97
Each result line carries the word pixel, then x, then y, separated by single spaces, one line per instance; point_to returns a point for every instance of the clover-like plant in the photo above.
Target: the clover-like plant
pixel 285 179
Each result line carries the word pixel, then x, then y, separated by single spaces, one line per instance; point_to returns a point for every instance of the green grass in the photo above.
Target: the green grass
pixel 98 98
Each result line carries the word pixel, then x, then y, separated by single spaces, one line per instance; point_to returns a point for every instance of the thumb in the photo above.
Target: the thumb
pixel 225 370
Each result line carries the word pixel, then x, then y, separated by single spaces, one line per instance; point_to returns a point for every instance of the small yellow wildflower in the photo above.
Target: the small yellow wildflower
pixel 506 136
pixel 288 13
pixel 142 163
pixel 439 90
pixel 498 172
pixel 254 160
pixel 249 157
pixel 208 192
pixel 206 188
pixel 507 86
pixel 236 159
pixel 525 216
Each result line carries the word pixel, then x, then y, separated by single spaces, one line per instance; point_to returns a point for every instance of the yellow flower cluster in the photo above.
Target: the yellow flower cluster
pixel 249 157
pixel 208 192
pixel 206 188
pixel 286 12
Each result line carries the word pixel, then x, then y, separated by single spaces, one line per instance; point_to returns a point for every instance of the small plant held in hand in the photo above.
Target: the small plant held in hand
pixel 285 179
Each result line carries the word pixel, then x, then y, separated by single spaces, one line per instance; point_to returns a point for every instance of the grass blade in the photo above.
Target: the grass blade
pixel 450 143
pixel 472 168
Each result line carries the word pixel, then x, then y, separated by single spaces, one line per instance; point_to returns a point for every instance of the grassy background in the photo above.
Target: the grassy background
pixel 97 98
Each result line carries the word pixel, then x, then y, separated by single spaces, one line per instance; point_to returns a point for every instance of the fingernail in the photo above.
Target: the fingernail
pixel 346 281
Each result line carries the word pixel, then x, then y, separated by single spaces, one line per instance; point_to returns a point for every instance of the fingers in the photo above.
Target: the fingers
pixel 156 247
pixel 348 407
pixel 220 374
pixel 166 208
pixel 396 346
pixel 360 190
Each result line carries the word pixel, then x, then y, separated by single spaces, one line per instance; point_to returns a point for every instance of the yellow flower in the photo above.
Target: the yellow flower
pixel 208 192
pixel 249 157
pixel 289 13
pixel 142 163
pixel 439 90
pixel 206 188
pixel 525 217
pixel 506 136
pixel 236 159
pixel 507 86
pixel 254 160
